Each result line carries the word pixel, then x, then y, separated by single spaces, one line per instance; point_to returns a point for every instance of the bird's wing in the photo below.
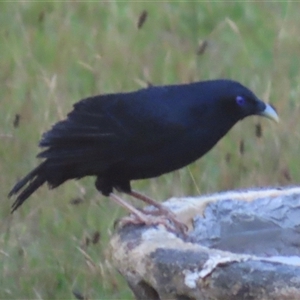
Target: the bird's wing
pixel 105 130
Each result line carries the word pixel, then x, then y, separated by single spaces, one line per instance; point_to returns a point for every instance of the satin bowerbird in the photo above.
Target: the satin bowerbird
pixel 122 137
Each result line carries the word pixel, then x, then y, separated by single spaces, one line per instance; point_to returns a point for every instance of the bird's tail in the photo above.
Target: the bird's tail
pixel 34 179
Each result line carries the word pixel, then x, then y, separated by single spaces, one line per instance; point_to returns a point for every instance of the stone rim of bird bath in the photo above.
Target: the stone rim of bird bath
pixel 157 264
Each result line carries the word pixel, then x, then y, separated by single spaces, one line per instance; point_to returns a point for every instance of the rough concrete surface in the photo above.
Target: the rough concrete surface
pixel 241 245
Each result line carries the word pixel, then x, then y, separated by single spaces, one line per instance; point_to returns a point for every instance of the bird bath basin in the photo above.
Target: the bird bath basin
pixel 265 227
pixel 241 245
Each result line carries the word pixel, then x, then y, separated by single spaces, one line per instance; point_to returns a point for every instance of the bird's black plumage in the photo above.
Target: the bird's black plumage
pixel 127 136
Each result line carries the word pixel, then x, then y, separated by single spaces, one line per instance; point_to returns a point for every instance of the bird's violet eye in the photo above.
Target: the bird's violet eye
pixel 240 100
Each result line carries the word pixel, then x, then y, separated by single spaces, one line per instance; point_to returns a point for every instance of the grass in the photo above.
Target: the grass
pixel 55 53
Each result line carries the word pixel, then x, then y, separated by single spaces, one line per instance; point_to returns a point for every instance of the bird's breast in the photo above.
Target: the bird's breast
pixel 170 157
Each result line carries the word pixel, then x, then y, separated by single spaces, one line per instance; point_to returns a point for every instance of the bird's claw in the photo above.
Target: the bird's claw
pixel 170 216
pixel 171 223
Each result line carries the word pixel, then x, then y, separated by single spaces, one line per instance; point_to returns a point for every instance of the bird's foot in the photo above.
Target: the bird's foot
pixel 161 216
pixel 149 219
pixel 161 211
pixel 169 215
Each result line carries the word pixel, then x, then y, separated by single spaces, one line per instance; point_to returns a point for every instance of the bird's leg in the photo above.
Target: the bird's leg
pixel 162 209
pixel 140 217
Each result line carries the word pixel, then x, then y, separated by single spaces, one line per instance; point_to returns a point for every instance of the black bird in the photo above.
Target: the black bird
pixel 142 134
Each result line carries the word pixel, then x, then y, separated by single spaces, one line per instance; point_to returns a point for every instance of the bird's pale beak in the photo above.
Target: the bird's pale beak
pixel 270 113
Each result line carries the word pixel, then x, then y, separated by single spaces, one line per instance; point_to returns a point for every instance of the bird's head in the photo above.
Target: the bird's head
pixel 241 103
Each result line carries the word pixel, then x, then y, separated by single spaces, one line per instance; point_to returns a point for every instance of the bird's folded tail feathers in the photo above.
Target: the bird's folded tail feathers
pixel 35 180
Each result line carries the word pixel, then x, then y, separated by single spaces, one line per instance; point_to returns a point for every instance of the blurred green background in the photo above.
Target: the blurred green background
pixel 53 54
